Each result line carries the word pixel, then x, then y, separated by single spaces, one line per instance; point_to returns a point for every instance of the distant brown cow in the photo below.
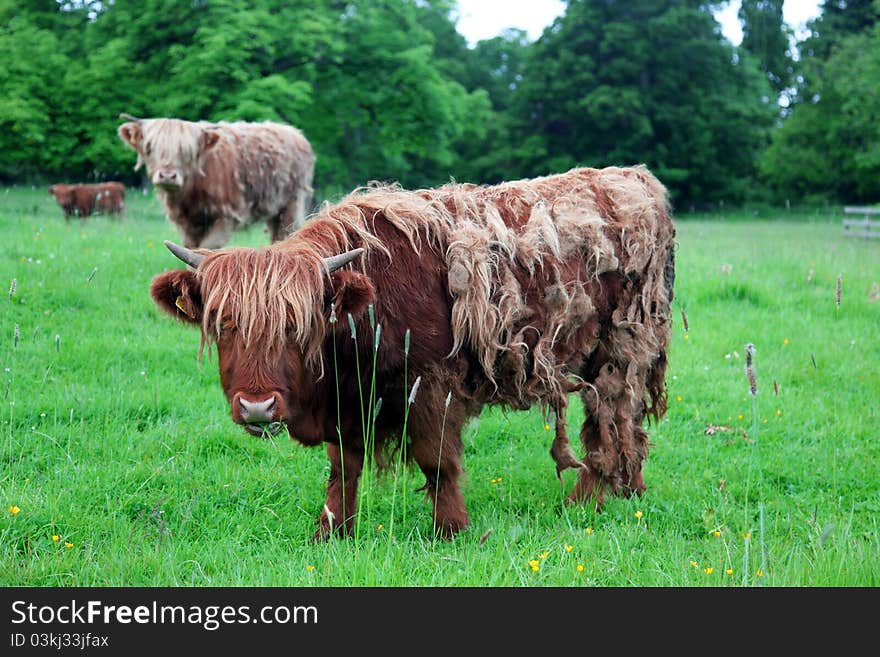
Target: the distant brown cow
pixel 216 177
pixel 84 200
pixel 110 198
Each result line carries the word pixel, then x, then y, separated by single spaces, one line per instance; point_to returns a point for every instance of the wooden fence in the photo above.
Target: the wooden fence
pixel 868 225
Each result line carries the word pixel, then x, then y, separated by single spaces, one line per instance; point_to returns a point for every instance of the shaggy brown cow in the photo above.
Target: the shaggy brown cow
pixel 516 294
pixel 215 177
pixel 84 200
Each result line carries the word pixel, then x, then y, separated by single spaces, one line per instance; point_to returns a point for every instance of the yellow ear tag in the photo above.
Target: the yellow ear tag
pixel 180 304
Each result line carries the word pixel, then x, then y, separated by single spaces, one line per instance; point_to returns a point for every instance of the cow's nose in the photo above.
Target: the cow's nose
pixel 167 176
pixel 259 411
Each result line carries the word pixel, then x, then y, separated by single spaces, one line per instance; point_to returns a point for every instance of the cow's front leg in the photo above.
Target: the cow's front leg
pixel 339 510
pixel 438 455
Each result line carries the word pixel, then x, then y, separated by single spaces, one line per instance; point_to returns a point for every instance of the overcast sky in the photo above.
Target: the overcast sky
pixel 484 19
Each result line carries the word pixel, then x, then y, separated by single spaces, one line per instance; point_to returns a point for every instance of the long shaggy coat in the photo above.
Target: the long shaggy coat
pixel 517 294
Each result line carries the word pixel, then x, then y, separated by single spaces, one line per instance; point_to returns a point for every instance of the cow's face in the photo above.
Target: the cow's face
pixel 264 332
pixel 63 194
pixel 172 149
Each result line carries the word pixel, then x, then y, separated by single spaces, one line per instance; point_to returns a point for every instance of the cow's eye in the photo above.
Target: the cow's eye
pixel 148 149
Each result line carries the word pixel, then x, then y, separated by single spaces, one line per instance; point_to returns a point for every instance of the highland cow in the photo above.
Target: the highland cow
pixel 517 294
pixel 83 200
pixel 214 178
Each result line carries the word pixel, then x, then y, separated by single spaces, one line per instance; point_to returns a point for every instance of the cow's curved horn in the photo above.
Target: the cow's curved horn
pixel 333 263
pixel 191 258
pixel 130 117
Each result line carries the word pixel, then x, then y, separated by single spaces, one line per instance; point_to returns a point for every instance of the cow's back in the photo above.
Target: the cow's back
pixel 272 164
pixel 539 269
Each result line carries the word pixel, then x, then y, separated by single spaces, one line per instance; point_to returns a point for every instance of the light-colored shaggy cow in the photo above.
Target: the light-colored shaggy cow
pixel 216 177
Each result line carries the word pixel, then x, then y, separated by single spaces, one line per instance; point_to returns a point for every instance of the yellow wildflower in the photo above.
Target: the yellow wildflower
pixel 778 412
pixel 534 563
pixel 68 544
pixel 760 573
pixel 589 530
pixel 639 514
pixel 543 555
pixel 729 571
pixel 687 337
pixel 14 509
pixel 709 570
pixel 694 564
pixel 678 398
pixel 568 548
pixel 739 417
pixel 747 535
pixel 310 567
pixel 786 341
pixel 716 533
pixel 56 537
pixel 580 568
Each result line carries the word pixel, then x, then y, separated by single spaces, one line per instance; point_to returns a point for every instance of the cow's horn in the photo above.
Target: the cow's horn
pixel 191 258
pixel 333 263
pixel 130 117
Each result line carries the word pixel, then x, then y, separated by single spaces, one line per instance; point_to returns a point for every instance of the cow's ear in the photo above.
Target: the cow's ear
pixel 208 139
pixel 131 134
pixel 350 292
pixel 178 293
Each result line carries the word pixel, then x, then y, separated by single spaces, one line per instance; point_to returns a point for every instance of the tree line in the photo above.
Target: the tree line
pixel 389 90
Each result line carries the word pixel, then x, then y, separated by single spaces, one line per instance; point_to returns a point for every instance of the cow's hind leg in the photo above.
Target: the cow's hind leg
pixel 589 484
pixel 435 431
pixel 339 510
pixel 288 220
pixel 613 438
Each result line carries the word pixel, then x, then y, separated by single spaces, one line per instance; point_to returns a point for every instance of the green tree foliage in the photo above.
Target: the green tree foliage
pixel 767 37
pixel 651 81
pixel 386 110
pixel 829 147
pixel 389 90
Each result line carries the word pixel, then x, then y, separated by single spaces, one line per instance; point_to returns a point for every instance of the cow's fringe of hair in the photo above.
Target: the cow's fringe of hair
pixel 171 140
pixel 600 219
pixel 270 294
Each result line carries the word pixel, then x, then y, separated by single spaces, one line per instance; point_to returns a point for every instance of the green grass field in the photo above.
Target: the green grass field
pixel 121 467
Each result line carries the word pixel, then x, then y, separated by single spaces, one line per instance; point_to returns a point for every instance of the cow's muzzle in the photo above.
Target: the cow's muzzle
pixel 168 179
pixel 259 417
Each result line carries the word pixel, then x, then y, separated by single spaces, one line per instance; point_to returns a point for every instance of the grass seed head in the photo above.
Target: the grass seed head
pixel 415 390
pixel 750 369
